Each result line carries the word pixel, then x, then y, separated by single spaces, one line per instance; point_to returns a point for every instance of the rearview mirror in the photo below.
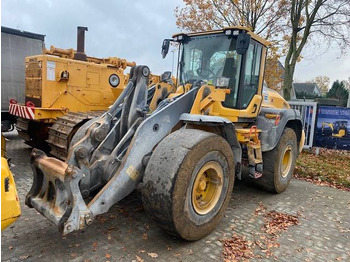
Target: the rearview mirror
pixel 242 44
pixel 165 76
pixel 165 47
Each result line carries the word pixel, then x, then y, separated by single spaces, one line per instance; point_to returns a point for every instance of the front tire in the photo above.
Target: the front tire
pixel 188 183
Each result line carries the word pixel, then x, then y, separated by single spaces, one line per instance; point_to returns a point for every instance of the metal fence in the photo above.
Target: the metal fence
pixel 308 111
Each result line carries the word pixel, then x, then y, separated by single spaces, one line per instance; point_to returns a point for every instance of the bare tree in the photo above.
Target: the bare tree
pixel 268 18
pixel 329 19
pixel 262 16
pixel 322 83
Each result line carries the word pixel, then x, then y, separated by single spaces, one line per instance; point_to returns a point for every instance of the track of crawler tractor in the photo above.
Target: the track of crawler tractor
pixel 62 131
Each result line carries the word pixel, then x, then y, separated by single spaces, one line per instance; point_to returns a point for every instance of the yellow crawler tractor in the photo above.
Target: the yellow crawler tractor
pixel 186 152
pixel 63 90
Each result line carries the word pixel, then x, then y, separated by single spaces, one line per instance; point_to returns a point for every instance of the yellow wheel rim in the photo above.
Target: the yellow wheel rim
pixel 287 161
pixel 207 188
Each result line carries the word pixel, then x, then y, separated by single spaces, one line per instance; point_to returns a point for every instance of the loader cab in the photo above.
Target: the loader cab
pixel 232 58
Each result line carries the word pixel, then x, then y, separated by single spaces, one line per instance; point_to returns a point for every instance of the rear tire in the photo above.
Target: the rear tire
pixel 188 183
pixel 279 163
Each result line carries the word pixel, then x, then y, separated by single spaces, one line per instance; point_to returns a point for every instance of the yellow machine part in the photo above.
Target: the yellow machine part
pixel 212 105
pixel 56 85
pixel 10 207
pixel 341 133
pixel 273 99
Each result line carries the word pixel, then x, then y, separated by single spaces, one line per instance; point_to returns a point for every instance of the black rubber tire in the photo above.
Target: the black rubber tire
pixel 169 178
pixel 271 179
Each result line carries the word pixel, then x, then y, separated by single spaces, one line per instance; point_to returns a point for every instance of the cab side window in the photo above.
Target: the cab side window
pixel 252 72
pixel 196 61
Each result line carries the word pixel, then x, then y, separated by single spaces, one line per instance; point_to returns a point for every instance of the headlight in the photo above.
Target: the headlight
pixel 114 80
pixel 236 32
pixel 222 82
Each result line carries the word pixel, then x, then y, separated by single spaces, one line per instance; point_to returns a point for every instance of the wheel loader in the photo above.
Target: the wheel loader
pixel 186 153
pixel 64 89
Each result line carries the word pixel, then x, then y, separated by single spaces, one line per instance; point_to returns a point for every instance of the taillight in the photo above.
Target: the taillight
pixel 278 118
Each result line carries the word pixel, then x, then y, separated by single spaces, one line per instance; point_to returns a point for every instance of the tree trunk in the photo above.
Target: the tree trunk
pixel 288 82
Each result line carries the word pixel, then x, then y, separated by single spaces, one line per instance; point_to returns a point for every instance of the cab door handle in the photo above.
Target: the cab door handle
pixel 255 108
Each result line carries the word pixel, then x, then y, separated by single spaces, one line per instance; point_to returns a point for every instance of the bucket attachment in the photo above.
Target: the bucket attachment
pixel 55 193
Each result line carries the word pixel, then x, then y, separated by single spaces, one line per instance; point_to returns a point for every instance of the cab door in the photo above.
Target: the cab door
pixel 245 104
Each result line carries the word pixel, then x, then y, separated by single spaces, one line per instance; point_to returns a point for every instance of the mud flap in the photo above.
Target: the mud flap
pixel 55 193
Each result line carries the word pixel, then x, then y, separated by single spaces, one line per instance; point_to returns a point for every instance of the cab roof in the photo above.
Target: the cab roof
pixel 240 28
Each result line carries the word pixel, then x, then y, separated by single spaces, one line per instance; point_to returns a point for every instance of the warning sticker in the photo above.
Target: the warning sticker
pixel 132 172
pixel 50 72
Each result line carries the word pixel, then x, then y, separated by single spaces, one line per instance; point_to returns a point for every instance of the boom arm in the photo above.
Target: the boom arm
pixel 112 154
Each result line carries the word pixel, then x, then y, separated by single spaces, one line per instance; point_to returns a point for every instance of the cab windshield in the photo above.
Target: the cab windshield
pixel 210 57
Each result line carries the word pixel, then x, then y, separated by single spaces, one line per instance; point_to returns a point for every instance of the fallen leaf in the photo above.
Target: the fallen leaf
pixel 259 244
pixel 108 255
pixel 10 247
pixel 24 257
pixel 237 248
pixel 139 258
pixel 153 255
pixel 276 222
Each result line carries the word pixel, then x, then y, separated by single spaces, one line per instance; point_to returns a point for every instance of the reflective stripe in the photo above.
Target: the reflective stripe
pixel 31 113
pixel 22 111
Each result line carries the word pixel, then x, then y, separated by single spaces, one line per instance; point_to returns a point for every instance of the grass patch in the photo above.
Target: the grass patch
pixel 330 166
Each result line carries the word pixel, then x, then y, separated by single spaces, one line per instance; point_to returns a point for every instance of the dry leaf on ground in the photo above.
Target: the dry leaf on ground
pixel 153 255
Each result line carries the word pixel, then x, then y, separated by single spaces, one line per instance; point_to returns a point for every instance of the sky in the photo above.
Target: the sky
pixel 133 30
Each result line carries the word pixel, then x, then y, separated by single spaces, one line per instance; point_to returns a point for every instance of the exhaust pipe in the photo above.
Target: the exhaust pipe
pixel 80 54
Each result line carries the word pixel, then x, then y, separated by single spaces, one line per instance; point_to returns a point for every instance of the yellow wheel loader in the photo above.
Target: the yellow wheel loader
pixel 10 207
pixel 187 152
pixel 64 89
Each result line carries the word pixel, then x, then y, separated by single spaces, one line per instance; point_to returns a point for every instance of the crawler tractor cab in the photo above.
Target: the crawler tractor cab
pixel 187 151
